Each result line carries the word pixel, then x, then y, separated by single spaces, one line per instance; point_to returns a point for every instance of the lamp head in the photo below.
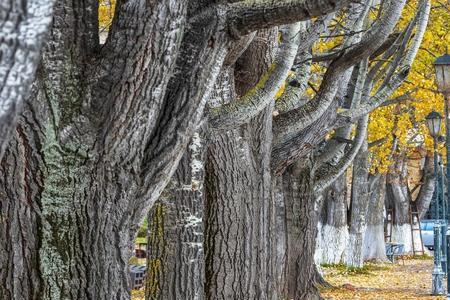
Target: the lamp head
pixel 434 120
pixel 442 67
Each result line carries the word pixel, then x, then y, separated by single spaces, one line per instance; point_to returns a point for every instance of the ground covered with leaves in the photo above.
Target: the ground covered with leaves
pixel 381 281
pixel 411 280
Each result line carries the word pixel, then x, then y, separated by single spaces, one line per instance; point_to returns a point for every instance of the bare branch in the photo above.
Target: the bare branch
pixel 328 175
pixel 334 149
pixel 296 120
pixel 402 72
pixel 240 111
pixel 293 96
pixel 247 16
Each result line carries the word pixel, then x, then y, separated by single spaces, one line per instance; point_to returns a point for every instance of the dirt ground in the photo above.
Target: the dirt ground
pixel 375 282
pixel 381 281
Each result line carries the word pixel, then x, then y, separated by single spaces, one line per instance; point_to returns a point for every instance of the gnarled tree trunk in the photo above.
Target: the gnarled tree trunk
pixel 301 229
pixel 358 208
pixel 239 200
pixel 333 231
pixel 374 243
pixel 175 253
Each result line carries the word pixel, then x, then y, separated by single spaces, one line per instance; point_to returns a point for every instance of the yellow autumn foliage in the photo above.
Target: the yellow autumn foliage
pixel 406 120
pixel 105 13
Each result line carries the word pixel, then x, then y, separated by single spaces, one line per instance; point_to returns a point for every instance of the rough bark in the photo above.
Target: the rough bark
pixel 333 232
pixel 175 265
pixel 358 208
pixel 239 193
pixel 24 26
pixel 279 232
pixel 374 242
pixel 82 190
pixel 105 128
pixel 301 232
pixel 246 17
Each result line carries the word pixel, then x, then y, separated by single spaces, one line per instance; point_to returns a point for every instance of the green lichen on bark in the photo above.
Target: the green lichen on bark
pixel 155 268
pixel 62 181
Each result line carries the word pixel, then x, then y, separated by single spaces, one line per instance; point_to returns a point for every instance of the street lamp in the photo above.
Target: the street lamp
pixel 434 120
pixel 442 67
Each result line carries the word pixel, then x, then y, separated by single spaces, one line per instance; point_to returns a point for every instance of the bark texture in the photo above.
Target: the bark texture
pixel 333 231
pixel 239 191
pixel 301 229
pixel 24 27
pixel 78 178
pixel 374 242
pixel 358 209
pixel 175 264
pixel 105 127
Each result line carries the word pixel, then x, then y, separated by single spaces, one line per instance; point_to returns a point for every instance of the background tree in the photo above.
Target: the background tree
pixel 240 202
pixel 104 128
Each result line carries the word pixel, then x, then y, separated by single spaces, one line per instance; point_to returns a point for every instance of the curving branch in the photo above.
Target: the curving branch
pixel 238 112
pixel 427 187
pixel 298 119
pixel 23 30
pixel 327 175
pixel 293 97
pixel 402 71
pixel 247 16
pixel 334 149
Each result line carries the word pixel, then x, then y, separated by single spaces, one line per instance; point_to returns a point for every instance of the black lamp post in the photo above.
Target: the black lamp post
pixel 442 67
pixel 434 120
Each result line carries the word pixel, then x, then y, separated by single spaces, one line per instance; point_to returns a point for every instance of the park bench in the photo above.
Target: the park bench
pixel 137 274
pixel 393 250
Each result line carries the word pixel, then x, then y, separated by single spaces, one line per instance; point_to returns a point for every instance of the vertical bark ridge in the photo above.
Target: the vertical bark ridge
pixel 24 26
pixel 239 193
pixel 301 225
pixel 175 247
pixel 20 179
pixel 333 231
pixel 359 205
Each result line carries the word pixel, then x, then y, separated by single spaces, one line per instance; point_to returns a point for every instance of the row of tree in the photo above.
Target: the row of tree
pixel 233 122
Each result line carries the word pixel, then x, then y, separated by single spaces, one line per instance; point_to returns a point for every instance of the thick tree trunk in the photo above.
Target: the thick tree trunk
pixel 20 179
pixel 175 255
pixel 65 234
pixel 239 199
pixel 301 228
pixel 73 244
pixel 358 211
pixel 374 244
pixel 425 195
pixel 74 190
pixel 398 197
pixel 279 234
pixel 238 218
pixel 333 231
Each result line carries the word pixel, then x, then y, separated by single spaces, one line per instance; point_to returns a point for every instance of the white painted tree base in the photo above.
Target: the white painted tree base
pixel 401 234
pixel 331 244
pixel 374 246
pixel 353 251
